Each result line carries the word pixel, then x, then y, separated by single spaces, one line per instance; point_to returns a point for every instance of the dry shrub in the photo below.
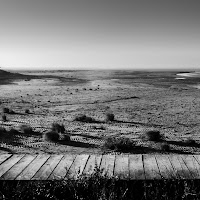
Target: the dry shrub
pixel 84 118
pixel 2 130
pixel 51 136
pixel 119 144
pixel 26 129
pixel 13 131
pixel 110 117
pixel 165 147
pixel 11 112
pixel 190 141
pixel 66 138
pixel 6 110
pixel 27 111
pixel 4 118
pixel 99 127
pixel 153 135
pixel 58 128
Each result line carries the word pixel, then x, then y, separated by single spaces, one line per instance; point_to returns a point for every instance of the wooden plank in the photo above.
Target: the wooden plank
pixel 192 165
pixel 136 170
pixel 77 166
pixel 3 157
pixel 44 172
pixel 165 167
pixel 13 172
pixel 197 158
pixel 62 168
pixel 5 166
pixel 121 169
pixel 179 170
pixel 139 167
pixel 186 170
pixel 31 170
pixel 93 161
pixel 150 167
pixel 107 165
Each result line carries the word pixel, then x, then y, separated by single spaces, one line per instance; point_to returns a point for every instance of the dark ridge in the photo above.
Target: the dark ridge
pixel 8 77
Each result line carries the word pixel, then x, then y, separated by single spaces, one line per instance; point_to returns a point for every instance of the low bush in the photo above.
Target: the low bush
pixel 110 117
pixel 51 136
pixel 4 118
pixel 154 135
pixel 190 141
pixel 6 110
pixel 26 129
pixel 84 118
pixel 165 147
pixel 99 127
pixel 119 144
pixel 27 111
pixel 11 112
pixel 13 131
pixel 58 128
pixel 66 137
pixel 2 130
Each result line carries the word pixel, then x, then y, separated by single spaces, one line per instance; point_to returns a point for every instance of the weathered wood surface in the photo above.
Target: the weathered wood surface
pixel 123 166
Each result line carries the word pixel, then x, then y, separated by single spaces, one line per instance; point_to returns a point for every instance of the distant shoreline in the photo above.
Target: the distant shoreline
pixel 190 74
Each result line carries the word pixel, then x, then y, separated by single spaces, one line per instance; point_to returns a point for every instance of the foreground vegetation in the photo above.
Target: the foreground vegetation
pixel 100 188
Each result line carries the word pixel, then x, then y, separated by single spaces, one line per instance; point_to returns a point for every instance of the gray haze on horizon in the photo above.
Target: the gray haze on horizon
pixel 108 34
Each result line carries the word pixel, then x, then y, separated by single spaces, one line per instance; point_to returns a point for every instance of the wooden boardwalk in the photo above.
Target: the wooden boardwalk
pixel 134 167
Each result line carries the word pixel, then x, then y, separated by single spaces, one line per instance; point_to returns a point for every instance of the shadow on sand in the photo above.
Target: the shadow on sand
pixel 76 144
pixel 191 143
pixel 144 150
pixel 6 150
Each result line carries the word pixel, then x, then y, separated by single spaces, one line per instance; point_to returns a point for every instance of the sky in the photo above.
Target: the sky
pixel 99 34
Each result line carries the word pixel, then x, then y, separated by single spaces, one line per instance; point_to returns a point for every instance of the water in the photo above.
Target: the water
pixel 191 74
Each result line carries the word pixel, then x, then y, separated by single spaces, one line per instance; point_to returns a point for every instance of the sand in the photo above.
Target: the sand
pixel 140 101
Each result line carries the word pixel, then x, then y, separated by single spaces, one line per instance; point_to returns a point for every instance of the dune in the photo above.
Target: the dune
pixel 8 77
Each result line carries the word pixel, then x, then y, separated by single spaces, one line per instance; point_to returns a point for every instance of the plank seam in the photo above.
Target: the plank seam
pixel 52 168
pixel 67 170
pixel 86 163
pixel 187 167
pixel 100 160
pixel 12 166
pixel 183 171
pixel 55 167
pixel 128 166
pixel 7 159
pixel 40 168
pixel 64 156
pixel 197 162
pixel 114 166
pixel 196 159
pixel 143 167
pixel 176 174
pixel 25 167
pixel 159 168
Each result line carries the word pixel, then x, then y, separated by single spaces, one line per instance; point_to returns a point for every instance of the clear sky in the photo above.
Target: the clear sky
pixel 108 34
